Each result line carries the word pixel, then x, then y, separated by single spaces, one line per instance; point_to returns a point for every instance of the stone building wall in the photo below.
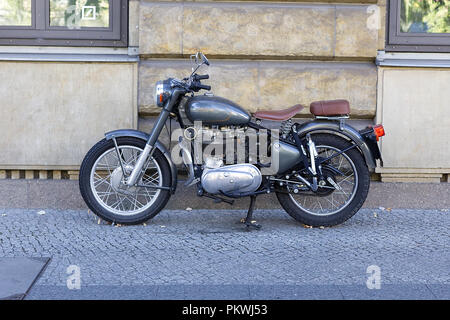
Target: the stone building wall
pixel 264 55
pixel 53 112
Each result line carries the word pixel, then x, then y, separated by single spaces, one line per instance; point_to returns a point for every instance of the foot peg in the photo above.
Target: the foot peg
pixel 219 199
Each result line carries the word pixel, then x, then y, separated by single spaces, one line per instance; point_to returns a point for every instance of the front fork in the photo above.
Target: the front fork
pixel 153 138
pixel 149 148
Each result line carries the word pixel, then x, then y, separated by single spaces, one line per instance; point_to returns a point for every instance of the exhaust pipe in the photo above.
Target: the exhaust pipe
pixel 187 160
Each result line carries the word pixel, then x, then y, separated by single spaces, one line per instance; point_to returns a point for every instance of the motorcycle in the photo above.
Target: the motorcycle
pixel 319 170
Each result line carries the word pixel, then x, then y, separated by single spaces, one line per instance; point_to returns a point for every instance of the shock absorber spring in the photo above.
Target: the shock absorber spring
pixel 285 128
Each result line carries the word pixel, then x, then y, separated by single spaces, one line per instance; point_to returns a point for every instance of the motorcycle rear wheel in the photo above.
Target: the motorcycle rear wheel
pixel 309 208
pixel 101 184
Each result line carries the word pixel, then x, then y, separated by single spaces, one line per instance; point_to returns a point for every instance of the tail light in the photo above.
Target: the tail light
pixel 379 131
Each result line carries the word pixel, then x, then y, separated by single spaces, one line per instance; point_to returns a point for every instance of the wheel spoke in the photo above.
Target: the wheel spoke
pixel 336 199
pixel 112 194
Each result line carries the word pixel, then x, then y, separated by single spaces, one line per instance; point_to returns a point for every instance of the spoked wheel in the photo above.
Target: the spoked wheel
pixel 102 182
pixel 342 189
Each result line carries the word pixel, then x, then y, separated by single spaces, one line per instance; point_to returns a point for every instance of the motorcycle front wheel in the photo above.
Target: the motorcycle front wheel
pixel 103 190
pixel 337 198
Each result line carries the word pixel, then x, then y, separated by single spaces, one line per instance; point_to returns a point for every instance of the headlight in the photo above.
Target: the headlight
pixel 162 92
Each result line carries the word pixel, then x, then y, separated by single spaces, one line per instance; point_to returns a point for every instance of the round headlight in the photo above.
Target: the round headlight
pixel 159 93
pixel 162 92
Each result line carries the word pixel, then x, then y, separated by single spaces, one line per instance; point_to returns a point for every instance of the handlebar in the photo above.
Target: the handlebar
pixel 204 87
pixel 201 77
pixel 196 84
pixel 193 85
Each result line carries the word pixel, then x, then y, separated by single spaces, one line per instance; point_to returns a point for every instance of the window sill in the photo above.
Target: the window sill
pixel 68 54
pixel 410 59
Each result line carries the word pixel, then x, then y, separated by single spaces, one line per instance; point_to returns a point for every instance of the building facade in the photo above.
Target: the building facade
pixel 74 69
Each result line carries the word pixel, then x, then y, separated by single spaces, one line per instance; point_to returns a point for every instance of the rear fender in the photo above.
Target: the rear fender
pixel 144 136
pixel 339 128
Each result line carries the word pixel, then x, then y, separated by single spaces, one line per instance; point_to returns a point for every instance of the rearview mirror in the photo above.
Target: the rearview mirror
pixel 199 59
pixel 203 58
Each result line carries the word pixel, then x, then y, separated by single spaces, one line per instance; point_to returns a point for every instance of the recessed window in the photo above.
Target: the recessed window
pixel 419 25
pixel 64 22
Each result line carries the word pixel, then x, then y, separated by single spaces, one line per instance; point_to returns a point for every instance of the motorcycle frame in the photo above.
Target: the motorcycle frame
pixel 325 125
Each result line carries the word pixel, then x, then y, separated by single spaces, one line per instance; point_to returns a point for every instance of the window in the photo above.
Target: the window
pixel 419 25
pixel 64 22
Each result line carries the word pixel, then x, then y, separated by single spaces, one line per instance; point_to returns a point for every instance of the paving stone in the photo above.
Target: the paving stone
pixel 388 292
pixel 93 293
pixel 179 250
pixel 440 291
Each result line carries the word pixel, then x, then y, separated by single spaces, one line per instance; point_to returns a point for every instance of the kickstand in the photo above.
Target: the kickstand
pixel 248 220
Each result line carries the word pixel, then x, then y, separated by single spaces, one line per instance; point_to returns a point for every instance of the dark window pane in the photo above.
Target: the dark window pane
pixel 15 13
pixel 425 16
pixel 75 14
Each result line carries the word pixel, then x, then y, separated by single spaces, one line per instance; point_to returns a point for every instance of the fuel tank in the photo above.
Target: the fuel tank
pixel 216 111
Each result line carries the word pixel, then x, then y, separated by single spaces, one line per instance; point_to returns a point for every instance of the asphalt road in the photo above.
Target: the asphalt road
pixel 206 254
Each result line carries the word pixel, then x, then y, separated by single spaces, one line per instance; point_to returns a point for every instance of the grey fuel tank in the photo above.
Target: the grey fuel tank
pixel 216 111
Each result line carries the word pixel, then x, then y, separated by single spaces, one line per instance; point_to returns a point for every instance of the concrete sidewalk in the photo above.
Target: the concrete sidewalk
pixel 65 194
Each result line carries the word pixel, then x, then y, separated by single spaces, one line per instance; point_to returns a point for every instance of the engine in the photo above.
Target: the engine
pixel 226 163
pixel 231 179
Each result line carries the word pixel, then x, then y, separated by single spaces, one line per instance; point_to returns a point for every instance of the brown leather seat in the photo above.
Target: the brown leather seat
pixel 330 108
pixel 279 115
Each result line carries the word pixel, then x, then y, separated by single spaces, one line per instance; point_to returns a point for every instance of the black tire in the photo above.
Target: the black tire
pixel 88 196
pixel 347 212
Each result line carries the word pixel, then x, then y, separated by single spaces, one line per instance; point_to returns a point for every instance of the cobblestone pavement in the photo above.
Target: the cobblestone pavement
pixel 207 254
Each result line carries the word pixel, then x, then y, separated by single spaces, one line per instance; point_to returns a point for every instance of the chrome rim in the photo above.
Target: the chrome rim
pixel 337 200
pixel 107 177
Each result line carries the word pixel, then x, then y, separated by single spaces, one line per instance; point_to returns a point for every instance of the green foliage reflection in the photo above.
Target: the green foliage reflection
pixel 425 16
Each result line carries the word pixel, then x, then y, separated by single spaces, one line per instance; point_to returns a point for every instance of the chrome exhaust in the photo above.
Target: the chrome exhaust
pixel 187 160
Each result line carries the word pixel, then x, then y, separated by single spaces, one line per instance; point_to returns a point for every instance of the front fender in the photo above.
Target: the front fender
pixel 144 136
pixel 335 127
